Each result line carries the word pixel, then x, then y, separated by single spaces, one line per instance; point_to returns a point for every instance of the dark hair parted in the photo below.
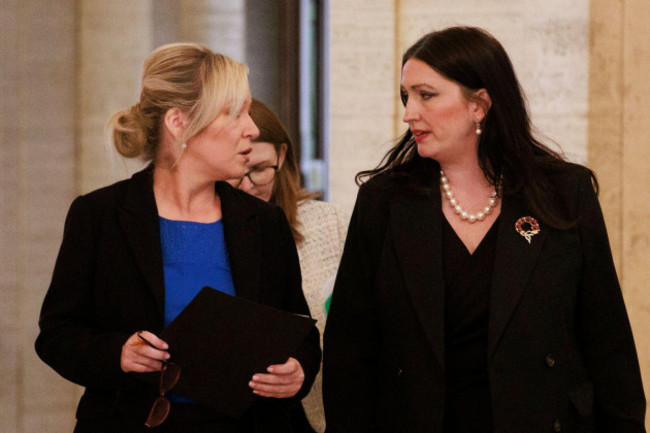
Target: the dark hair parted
pixel 509 155
pixel 287 191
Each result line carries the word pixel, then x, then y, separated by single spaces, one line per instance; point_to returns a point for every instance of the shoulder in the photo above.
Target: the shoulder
pixel 240 207
pixel 138 190
pixel 313 214
pixel 245 202
pixel 571 173
pixel 571 180
pixel 308 208
pixel 379 187
pixel 102 199
pixel 575 189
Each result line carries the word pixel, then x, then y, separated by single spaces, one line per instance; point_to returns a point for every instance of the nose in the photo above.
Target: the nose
pixel 252 131
pixel 410 112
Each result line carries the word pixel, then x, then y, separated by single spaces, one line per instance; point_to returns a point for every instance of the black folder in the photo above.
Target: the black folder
pixel 221 341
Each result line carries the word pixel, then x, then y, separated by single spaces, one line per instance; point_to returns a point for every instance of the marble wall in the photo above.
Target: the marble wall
pixel 37 159
pixel 584 71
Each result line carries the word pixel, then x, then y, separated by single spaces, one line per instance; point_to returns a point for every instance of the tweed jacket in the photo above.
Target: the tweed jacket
pixel 561 355
pixel 108 283
pixel 324 227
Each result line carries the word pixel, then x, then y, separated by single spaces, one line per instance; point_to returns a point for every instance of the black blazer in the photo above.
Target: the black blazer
pixel 108 283
pixel 561 356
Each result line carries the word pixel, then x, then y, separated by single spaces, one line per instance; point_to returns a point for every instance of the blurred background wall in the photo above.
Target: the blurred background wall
pixel 68 64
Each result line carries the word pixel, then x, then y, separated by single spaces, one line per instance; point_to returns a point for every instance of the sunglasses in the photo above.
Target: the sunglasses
pixel 169 376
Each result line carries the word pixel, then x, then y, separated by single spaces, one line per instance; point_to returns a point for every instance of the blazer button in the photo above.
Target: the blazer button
pixel 550 360
pixel 557 426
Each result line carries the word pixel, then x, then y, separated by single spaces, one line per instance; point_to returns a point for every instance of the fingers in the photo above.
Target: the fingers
pixel 143 352
pixel 283 380
pixel 150 339
pixel 287 368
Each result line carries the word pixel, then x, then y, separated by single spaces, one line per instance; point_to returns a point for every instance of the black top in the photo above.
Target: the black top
pixel 467 292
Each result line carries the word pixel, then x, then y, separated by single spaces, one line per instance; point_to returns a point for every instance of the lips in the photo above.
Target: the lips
pixel 420 134
pixel 245 153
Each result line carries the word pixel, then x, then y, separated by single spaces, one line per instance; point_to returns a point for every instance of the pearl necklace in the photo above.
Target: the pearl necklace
pixel 464 215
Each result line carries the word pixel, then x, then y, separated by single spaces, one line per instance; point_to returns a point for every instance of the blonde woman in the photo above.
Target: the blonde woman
pixel 136 252
pixel 319 229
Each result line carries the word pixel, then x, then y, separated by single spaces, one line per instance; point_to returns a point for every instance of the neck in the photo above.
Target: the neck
pixel 180 196
pixel 466 176
pixel 468 192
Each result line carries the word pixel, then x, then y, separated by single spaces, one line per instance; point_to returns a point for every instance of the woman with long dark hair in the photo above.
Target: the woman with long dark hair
pixel 477 291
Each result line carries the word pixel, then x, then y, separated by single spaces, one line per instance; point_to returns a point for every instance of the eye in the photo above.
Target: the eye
pixel 404 97
pixel 427 95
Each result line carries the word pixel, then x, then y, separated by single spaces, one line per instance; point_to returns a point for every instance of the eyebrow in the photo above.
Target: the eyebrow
pixel 419 86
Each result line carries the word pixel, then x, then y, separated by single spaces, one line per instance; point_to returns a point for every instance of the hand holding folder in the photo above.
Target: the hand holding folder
pixel 221 341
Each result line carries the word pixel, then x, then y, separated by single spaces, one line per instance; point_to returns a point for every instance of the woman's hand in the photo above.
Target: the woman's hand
pixel 283 380
pixel 143 352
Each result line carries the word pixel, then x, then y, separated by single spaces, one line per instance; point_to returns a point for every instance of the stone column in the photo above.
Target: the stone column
pixel 114 39
pixel 218 24
pixel 636 178
pixel 361 91
pixel 36 187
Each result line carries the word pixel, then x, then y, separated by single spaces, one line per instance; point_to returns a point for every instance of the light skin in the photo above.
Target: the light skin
pixel 443 120
pixel 185 192
pixel 262 155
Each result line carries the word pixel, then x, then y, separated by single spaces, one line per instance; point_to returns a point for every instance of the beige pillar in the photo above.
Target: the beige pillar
pixel 636 177
pixel 618 151
pixel 218 24
pixel 114 39
pixel 36 186
pixel 361 90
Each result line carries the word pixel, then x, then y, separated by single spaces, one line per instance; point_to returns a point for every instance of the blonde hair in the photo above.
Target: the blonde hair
pixel 188 77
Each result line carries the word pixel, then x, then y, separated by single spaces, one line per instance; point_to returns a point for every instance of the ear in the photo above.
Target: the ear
pixel 282 155
pixel 175 122
pixel 480 105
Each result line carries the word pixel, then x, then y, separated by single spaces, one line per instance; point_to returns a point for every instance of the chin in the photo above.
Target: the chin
pixel 425 151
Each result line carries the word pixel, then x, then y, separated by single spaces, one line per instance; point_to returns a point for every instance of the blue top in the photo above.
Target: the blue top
pixel 194 256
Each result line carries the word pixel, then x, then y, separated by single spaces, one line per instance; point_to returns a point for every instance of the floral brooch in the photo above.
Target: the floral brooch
pixel 527 227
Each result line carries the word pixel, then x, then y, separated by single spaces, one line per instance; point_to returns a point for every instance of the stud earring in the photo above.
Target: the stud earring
pixel 478 128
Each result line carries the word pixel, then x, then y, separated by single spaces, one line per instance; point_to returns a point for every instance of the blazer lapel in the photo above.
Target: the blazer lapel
pixel 243 238
pixel 416 234
pixel 139 220
pixel 514 261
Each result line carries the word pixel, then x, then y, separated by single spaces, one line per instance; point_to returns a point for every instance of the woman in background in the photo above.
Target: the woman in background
pixel 135 253
pixel 319 228
pixel 477 291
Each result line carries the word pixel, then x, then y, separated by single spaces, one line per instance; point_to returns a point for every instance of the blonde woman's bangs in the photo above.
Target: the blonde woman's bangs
pixel 224 87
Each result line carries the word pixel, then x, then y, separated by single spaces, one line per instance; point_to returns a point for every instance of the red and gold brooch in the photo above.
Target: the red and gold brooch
pixel 527 227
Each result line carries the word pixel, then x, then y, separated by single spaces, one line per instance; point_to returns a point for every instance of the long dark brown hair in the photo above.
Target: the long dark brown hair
pixel 287 191
pixel 509 155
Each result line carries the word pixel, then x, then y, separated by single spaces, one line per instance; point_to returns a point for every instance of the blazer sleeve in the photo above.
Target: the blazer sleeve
pixel 351 339
pixel 68 340
pixel 603 326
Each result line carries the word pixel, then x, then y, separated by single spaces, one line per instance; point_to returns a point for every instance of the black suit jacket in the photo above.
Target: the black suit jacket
pixel 561 356
pixel 108 283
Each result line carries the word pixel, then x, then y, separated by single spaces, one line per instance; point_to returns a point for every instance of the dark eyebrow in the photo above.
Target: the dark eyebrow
pixel 418 87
